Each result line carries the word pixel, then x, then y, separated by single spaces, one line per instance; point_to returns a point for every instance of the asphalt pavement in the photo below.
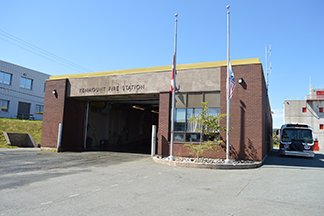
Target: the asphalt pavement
pixel 34 182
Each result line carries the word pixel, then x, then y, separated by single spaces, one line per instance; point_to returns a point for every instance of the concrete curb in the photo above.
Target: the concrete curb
pixel 249 165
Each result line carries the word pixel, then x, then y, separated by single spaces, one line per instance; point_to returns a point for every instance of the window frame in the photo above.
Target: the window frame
pixel 7 106
pixel 39 111
pixel 321 126
pixel 24 85
pixel 2 80
pixel 185 134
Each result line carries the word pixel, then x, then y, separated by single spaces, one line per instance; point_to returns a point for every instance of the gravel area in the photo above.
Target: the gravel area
pixel 208 163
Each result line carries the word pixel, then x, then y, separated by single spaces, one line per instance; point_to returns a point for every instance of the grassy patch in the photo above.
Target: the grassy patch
pixel 276 146
pixel 20 126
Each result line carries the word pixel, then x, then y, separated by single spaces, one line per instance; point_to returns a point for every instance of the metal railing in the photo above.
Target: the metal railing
pixel 314 97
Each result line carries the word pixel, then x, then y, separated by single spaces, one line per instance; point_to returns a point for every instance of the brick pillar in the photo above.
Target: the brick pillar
pixel 164 124
pixel 53 111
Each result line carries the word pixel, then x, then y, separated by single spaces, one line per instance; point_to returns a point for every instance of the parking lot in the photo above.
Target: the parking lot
pixel 34 182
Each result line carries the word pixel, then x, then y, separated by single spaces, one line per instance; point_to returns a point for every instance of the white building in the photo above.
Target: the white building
pixel 21 92
pixel 309 111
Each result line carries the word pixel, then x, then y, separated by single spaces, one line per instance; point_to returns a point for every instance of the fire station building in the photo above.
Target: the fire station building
pixel 115 111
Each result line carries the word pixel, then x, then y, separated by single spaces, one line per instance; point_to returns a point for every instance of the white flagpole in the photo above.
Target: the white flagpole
pixel 228 89
pixel 174 87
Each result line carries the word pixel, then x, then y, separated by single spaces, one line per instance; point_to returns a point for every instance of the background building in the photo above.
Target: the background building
pixel 21 92
pixel 115 110
pixel 309 111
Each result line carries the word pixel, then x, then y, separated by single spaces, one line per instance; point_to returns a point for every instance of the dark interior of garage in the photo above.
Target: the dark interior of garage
pixel 121 126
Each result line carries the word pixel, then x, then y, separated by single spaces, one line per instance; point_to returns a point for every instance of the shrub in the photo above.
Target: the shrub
pixel 209 128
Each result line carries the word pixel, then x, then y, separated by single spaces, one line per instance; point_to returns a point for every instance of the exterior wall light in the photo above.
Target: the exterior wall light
pixel 242 82
pixel 54 92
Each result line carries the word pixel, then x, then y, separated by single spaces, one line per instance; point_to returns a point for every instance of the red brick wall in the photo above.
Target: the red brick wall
pixel 246 135
pixel 164 124
pixel 267 122
pixel 251 120
pixel 53 111
pixel 68 111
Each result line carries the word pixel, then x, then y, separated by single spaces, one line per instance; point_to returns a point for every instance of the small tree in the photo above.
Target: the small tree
pixel 209 128
pixel 275 139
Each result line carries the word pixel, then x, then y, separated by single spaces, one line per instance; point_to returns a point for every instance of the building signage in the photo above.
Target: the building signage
pixel 207 79
pixel 131 88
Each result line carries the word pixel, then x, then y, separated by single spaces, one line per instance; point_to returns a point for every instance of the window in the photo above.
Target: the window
pixel 4 105
pixel 180 120
pixel 194 125
pixel 188 105
pixel 304 109
pixel 320 109
pixel 39 109
pixel 321 126
pixel 26 83
pixel 5 78
pixel 303 135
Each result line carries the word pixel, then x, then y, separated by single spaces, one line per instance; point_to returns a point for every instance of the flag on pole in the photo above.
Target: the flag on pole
pixel 173 86
pixel 232 81
pixel 173 73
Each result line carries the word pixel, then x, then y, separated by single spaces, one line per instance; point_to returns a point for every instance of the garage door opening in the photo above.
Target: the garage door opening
pixel 121 126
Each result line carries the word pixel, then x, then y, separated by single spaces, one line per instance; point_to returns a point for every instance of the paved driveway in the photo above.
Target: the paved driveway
pixel 104 183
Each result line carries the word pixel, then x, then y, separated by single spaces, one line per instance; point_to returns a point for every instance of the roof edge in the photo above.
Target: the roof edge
pixel 159 68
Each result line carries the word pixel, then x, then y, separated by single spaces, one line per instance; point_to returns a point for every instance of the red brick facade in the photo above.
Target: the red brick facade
pixel 164 124
pixel 53 111
pixel 251 119
pixel 61 109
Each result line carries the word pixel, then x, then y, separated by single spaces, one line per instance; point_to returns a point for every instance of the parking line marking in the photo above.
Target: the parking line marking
pixel 74 195
pixel 114 185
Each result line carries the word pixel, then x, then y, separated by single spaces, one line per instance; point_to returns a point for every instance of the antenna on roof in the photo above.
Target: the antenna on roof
pixel 310 85
pixel 268 64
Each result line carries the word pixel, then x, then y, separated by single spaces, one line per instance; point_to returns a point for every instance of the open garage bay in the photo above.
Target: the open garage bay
pixel 121 124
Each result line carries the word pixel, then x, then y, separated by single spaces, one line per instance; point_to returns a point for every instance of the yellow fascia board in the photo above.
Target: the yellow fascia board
pixel 159 69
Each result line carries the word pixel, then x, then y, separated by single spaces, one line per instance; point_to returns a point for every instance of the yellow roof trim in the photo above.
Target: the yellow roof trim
pixel 159 69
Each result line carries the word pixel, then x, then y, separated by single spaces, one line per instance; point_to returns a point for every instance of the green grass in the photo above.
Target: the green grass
pixel 276 146
pixel 32 127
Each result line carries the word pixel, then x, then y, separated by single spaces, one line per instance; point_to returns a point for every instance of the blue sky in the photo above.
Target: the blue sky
pixel 106 35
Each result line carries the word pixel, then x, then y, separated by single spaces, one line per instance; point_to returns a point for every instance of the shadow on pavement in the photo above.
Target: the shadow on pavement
pixel 275 159
pixel 21 167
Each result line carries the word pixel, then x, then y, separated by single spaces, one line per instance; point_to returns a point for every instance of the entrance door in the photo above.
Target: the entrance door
pixel 23 110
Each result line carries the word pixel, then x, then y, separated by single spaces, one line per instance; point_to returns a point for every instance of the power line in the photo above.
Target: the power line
pixel 39 51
